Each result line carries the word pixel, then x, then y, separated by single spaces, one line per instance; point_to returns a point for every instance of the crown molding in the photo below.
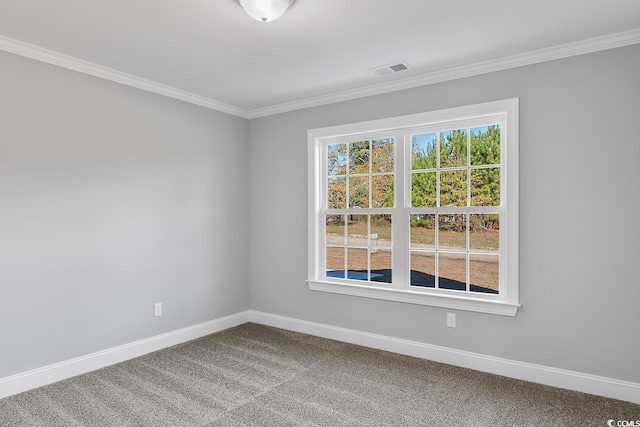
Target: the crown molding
pixel 65 61
pixel 591 45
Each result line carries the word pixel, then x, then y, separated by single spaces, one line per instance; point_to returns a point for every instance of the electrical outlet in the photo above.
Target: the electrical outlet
pixel 157 309
pixel 451 320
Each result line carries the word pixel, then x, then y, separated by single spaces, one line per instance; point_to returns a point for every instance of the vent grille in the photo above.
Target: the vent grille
pixel 399 67
pixel 396 67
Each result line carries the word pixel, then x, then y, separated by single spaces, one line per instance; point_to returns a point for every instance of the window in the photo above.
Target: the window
pixel 420 209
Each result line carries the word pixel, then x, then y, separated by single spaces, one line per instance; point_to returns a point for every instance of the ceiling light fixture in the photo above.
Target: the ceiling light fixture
pixel 265 10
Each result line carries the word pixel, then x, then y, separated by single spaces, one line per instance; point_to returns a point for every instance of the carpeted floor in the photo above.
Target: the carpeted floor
pixel 260 376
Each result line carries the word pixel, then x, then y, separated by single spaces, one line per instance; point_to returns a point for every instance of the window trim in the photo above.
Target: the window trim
pixel 507 303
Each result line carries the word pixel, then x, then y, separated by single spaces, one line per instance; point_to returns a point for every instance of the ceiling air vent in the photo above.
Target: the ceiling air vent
pixel 390 68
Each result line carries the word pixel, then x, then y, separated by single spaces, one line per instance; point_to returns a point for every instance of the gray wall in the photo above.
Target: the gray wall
pixel 579 223
pixel 112 199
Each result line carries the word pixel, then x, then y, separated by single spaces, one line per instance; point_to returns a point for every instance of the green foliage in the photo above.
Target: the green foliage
pixel 360 158
pixel 382 191
pixel 485 182
pixel 359 191
pixel 453 188
pixel 485 146
pixel 453 148
pixel 433 156
pixel 337 193
pixel 485 187
pixel 383 155
pixel 424 221
pixel 423 154
pixel 337 159
pixel 423 189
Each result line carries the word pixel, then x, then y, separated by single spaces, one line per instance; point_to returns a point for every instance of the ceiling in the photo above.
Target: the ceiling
pixel 319 48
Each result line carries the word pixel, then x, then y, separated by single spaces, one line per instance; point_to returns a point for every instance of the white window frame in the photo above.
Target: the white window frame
pixel 507 301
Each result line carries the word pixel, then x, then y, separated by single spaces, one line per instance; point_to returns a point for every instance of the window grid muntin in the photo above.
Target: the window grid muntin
pixel 347 245
pixel 467 211
pixel 438 130
pixel 355 210
pixel 404 172
pixel 370 139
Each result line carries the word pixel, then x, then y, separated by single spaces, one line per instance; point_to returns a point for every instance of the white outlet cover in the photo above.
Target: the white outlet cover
pixel 451 320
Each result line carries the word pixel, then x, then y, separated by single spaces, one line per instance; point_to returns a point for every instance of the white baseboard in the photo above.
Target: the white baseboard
pixel 586 383
pixel 70 368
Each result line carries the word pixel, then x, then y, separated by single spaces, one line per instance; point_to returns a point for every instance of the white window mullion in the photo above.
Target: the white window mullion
pixel 438 169
pixel 398 225
pixel 347 178
pixel 436 254
pixel 468 265
pixel 405 265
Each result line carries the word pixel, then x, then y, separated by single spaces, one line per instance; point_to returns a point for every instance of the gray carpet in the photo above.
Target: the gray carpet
pixel 260 376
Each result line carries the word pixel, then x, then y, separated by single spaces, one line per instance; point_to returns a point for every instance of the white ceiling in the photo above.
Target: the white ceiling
pixel 212 49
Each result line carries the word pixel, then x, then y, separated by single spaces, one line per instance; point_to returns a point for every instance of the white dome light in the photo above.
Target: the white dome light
pixel 265 10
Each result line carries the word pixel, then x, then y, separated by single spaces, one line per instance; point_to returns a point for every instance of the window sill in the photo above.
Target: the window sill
pixel 412 297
